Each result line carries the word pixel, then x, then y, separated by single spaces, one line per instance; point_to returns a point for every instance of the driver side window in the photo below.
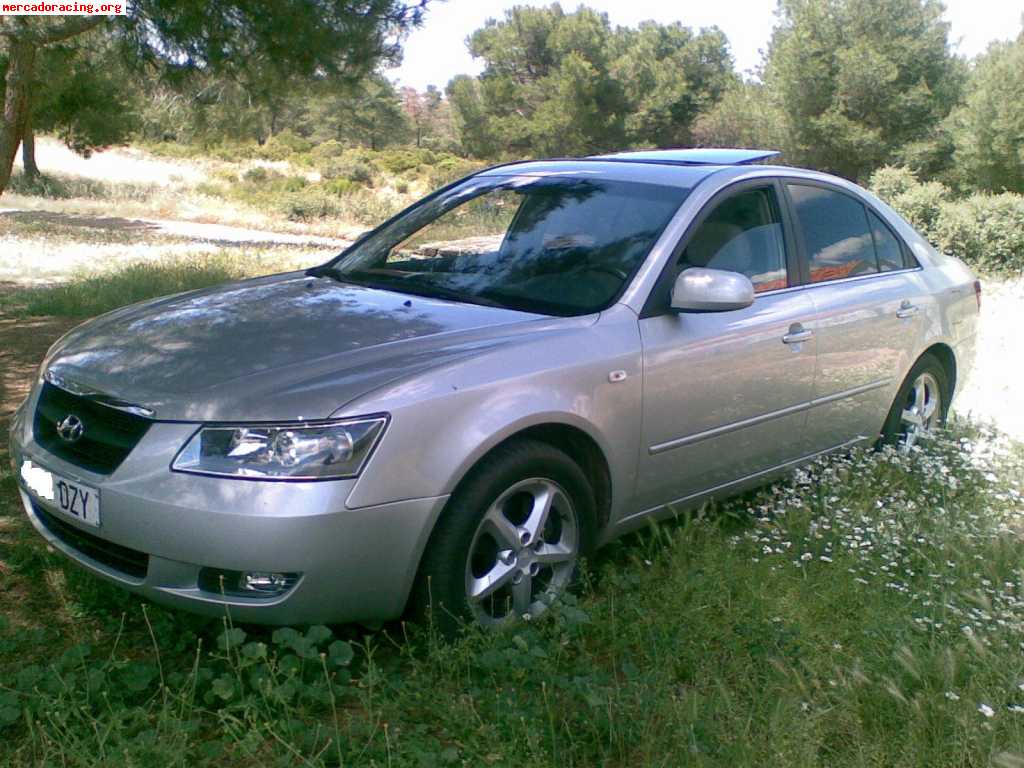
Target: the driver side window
pixel 742 234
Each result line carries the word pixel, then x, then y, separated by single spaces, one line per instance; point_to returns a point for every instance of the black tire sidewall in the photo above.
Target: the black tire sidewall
pixel 440 591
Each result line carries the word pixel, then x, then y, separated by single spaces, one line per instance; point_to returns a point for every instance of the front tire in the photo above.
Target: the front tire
pixel 509 540
pixel 921 405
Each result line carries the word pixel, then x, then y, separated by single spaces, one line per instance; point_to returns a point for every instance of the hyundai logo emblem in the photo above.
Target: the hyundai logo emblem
pixel 70 428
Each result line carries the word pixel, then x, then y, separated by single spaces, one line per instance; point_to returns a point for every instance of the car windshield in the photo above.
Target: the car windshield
pixel 551 245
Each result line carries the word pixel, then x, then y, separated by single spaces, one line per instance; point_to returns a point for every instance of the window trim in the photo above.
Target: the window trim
pixel 910 262
pixel 659 298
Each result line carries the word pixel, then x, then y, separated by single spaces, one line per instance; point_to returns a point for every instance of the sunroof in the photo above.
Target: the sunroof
pixel 708 156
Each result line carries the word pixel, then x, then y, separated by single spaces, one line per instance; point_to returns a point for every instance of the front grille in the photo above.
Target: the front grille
pixel 108 437
pixel 127 561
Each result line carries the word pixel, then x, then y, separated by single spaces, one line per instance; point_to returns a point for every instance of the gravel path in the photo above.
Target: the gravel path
pixel 994 392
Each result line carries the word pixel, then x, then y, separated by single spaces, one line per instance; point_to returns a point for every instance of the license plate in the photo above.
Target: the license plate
pixel 70 497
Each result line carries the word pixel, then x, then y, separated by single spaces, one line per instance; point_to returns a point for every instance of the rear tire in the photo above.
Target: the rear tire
pixel 509 540
pixel 921 405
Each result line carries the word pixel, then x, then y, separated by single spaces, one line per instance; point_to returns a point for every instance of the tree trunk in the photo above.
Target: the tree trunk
pixel 21 61
pixel 28 146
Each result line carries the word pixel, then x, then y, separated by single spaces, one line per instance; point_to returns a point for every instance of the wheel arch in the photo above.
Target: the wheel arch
pixel 945 355
pixel 573 440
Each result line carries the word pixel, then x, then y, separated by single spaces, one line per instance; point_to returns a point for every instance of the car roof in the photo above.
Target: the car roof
pixel 694 156
pixel 668 167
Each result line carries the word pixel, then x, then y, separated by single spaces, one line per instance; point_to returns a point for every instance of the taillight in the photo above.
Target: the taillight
pixel 977 293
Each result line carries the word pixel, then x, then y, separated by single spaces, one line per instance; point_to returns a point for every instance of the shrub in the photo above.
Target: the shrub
pixel 922 204
pixel 339 186
pixel 234 152
pixel 258 175
pixel 283 145
pixel 310 205
pixel 450 168
pixel 355 171
pixel 891 181
pixel 368 208
pixel 399 161
pixel 987 231
pixel 327 150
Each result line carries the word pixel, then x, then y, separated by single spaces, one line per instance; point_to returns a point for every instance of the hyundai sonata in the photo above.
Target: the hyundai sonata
pixel 473 396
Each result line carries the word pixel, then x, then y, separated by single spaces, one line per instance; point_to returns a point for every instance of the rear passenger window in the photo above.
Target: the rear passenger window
pixel 742 234
pixel 890 254
pixel 835 228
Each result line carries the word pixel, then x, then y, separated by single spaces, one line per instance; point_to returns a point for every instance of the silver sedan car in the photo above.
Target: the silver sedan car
pixel 525 364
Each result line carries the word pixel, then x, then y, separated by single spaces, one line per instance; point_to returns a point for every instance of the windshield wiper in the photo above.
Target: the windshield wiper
pixel 325 270
pixel 427 290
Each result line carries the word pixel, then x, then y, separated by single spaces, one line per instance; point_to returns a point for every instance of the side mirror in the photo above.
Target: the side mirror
pixel 711 290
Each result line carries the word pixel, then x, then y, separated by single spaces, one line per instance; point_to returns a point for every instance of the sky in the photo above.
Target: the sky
pixel 437 51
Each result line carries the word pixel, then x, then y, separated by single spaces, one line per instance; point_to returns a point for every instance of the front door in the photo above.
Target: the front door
pixel 725 394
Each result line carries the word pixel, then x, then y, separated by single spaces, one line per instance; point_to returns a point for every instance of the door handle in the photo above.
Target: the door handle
pixel 906 310
pixel 797 334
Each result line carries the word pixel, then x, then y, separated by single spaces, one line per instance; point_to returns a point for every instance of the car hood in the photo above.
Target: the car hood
pixel 286 347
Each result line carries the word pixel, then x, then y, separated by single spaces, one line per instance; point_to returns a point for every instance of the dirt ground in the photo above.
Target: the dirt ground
pixel 22 346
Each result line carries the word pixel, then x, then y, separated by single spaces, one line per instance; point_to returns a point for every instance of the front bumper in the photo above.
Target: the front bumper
pixel 355 564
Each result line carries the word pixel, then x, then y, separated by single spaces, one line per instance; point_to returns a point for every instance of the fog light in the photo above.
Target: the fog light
pixel 253 584
pixel 266 583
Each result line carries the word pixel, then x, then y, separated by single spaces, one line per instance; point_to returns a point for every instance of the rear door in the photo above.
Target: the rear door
pixel 868 299
pixel 725 393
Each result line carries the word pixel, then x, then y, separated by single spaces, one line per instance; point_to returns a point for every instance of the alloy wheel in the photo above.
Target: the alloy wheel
pixel 922 411
pixel 524 552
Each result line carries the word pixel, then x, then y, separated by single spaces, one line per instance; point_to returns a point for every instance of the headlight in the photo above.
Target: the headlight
pixel 282 452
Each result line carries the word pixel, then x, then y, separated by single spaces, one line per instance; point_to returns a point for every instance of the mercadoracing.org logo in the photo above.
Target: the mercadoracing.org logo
pixel 64 9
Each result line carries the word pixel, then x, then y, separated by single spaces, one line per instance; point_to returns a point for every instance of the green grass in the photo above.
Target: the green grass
pixel 92 293
pixel 64 186
pixel 870 611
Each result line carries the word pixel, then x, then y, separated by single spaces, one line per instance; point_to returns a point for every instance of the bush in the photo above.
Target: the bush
pixel 310 205
pixel 259 175
pixel 987 231
pixel 984 230
pixel 891 181
pixel 922 204
pixel 450 168
pixel 327 150
pixel 283 145
pixel 399 161
pixel 368 208
pixel 339 186
pixel 355 171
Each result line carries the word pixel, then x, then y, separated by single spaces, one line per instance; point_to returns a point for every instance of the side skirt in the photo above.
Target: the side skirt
pixel 725 490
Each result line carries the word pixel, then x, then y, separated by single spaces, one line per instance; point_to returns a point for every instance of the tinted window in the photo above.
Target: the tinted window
pixel 743 234
pixel 836 234
pixel 555 245
pixel 890 254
